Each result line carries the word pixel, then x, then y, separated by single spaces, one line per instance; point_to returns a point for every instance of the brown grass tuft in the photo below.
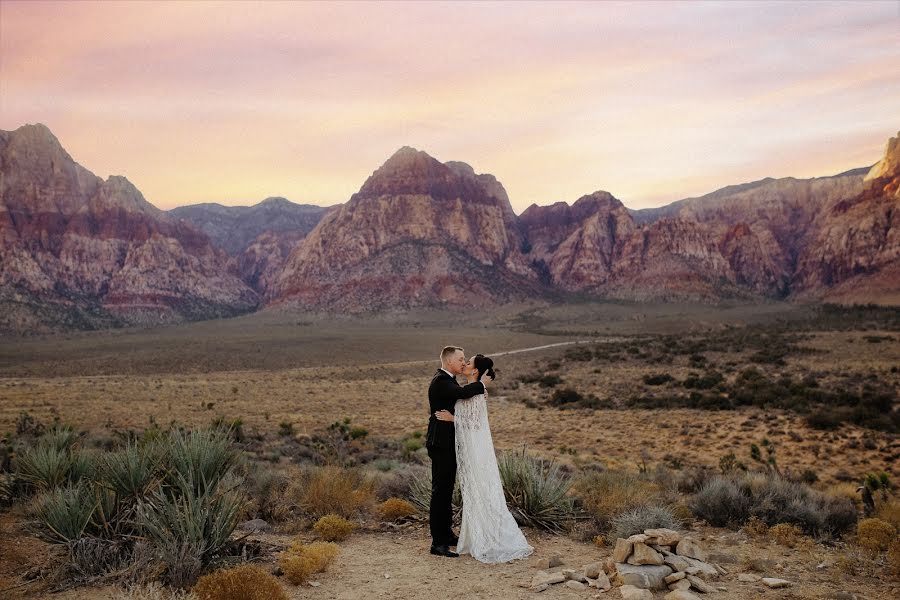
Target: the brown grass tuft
pixel 334 528
pixel 333 490
pixel 302 560
pixel 788 534
pixel 396 508
pixel 244 582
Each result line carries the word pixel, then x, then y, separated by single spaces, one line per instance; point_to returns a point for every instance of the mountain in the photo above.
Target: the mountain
pixel 418 232
pixel 234 228
pixel 77 250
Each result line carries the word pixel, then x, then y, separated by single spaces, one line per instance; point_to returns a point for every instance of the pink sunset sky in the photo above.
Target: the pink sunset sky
pixel 233 102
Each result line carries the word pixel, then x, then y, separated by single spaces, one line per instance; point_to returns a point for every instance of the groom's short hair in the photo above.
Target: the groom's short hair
pixel 449 351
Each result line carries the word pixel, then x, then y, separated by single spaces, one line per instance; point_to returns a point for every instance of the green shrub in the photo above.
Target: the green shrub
pixel 658 379
pixel 65 512
pixel 536 491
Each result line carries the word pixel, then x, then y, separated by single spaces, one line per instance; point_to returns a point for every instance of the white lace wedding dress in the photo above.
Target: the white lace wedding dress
pixel 488 532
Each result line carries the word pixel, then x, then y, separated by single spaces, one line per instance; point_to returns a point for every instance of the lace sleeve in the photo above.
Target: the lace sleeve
pixel 470 415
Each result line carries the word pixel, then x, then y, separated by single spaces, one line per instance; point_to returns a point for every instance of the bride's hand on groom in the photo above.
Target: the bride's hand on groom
pixel 444 415
pixel 486 380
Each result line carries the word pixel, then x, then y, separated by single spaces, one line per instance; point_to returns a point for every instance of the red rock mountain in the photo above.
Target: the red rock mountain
pixel 418 232
pixel 80 251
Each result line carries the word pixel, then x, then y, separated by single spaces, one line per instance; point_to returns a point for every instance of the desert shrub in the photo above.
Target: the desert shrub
pixel 644 517
pixel 300 561
pixel 393 509
pixel 333 490
pixel 45 467
pixel 565 396
pixel 333 528
pixel 536 491
pixel 788 535
pixel 690 480
pixel 244 582
pixel 889 511
pixel 721 503
pixel 875 535
pixel 152 591
pixel 756 526
pixel 606 494
pixel 130 471
pixel 198 458
pixel 397 482
pixel 658 379
pixel 268 491
pixel 420 493
pixel 547 381
pixel 893 559
pixel 579 354
pixel 729 501
pixel 707 381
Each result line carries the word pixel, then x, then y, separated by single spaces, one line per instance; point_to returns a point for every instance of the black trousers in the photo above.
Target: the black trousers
pixel 443 478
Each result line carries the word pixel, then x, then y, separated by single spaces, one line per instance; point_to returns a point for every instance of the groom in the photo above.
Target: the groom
pixel 440 441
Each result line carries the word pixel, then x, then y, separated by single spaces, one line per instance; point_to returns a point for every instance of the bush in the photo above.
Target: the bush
pixel 645 517
pixel 788 535
pixel 333 490
pixel 607 494
pixel 659 379
pixel 333 528
pixel 536 491
pixel 244 582
pixel 729 501
pixel 393 509
pixel 65 513
pixel 875 535
pixel 300 561
pixel 721 503
pixel 565 396
pixel 893 559
pixel 268 494
pixel 420 493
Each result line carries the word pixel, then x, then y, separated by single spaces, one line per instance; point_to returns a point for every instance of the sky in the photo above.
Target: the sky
pixel 235 102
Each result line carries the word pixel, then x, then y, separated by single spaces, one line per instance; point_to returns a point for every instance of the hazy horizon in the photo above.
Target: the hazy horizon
pixel 231 103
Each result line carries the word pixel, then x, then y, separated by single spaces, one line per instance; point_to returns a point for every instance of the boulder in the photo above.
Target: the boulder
pixel 689 547
pixel 644 555
pixel 592 571
pixel 650 577
pixel 700 585
pixel 775 583
pixel 663 537
pixel 629 592
pixel 681 595
pixel 622 550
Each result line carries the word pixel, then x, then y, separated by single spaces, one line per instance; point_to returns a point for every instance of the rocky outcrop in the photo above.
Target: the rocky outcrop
pixel 78 250
pixel 419 232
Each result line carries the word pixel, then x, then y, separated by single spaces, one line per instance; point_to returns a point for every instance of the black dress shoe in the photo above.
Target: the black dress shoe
pixel 443 551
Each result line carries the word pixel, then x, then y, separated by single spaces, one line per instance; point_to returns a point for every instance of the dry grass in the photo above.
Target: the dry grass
pixel 789 535
pixel 608 494
pixel 333 490
pixel 153 591
pixel 244 582
pixel 333 528
pixel 889 510
pixel 393 509
pixel 302 560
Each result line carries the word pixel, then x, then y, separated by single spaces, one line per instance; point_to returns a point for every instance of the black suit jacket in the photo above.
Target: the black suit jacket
pixel 442 395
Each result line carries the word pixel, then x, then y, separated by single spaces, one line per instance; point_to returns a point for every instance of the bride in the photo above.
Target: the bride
pixel 488 531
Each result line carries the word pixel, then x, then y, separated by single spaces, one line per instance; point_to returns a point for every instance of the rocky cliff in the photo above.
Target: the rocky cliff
pixel 79 250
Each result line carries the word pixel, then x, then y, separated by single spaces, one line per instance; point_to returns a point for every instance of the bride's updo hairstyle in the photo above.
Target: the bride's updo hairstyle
pixel 484 365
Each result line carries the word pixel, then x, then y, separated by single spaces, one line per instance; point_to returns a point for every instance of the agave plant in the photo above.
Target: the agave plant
pixel 536 491
pixel 201 457
pixel 420 493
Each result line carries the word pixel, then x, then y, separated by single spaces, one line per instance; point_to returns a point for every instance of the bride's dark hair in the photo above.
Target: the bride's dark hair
pixel 484 365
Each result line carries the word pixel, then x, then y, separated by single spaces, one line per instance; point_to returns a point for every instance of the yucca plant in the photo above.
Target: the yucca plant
pixel 201 457
pixel 129 471
pixel 64 513
pixel 536 491
pixel 61 437
pixel 420 493
pixel 44 466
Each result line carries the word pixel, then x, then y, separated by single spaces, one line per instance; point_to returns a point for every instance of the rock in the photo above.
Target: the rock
pixel 629 592
pixel 386 575
pixel 601 582
pixel 748 578
pixel 555 561
pixel 721 557
pixel 592 571
pixel 690 548
pixel 681 584
pixel 638 537
pixel 690 565
pixel 644 555
pixel 675 577
pixel 681 595
pixel 548 578
pixel 573 575
pixel 277 571
pixel 692 570
pixel 609 565
pixel 314 584
pixel 539 588
pixel 775 583
pixel 678 563
pixel 254 525
pixel 542 563
pixel 700 585
pixel 651 577
pixel 622 550
pixel 575 585
pixel 663 537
